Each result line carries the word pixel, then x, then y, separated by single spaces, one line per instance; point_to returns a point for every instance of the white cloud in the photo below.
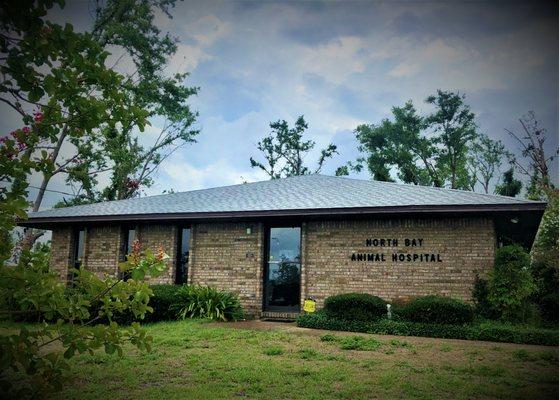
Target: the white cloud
pixel 207 30
pixel 183 176
pixel 334 61
pixel 187 58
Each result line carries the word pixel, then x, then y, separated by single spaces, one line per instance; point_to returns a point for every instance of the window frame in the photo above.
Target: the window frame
pixel 182 279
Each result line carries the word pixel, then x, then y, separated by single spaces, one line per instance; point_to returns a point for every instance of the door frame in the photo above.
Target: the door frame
pixel 267 229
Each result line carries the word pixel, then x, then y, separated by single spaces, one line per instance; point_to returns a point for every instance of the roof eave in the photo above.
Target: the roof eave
pixel 392 210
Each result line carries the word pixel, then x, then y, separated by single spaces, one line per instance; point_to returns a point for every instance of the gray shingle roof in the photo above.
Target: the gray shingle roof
pixel 310 192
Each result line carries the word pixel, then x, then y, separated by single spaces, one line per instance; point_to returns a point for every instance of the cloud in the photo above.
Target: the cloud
pixel 186 59
pixel 336 60
pixel 207 30
pixel 343 64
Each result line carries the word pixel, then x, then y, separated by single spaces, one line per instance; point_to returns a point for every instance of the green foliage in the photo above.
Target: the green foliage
pixel 60 85
pixel 510 283
pixel 549 306
pixel 69 317
pixel 355 306
pixel 284 151
pixel 484 160
pixel 545 256
pixel 480 294
pixel 195 301
pixel 162 300
pixel 430 150
pixel 437 310
pixel 510 186
pixel 488 331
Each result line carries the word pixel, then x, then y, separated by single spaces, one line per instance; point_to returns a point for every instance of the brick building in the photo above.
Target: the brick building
pixel 278 242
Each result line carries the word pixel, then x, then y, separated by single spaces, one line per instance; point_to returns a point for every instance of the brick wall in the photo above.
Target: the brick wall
pixel 61 251
pixel 102 249
pixel 223 255
pixel 104 244
pixel 465 246
pixel 152 236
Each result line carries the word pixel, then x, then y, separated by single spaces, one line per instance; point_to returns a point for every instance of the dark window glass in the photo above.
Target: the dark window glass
pixel 127 248
pixel 183 256
pixel 283 273
pixel 130 236
pixel 79 243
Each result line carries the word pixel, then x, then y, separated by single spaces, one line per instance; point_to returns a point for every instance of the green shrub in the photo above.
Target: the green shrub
pixel 549 306
pixel 480 294
pixel 164 296
pixel 195 301
pixel 510 283
pixel 355 306
pixel 436 310
pixel 488 331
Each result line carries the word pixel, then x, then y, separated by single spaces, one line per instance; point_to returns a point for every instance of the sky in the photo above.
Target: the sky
pixel 342 64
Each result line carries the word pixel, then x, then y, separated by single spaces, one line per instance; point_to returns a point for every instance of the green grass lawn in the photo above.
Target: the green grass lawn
pixel 198 360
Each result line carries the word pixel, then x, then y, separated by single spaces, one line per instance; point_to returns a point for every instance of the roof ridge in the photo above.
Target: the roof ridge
pixel 437 188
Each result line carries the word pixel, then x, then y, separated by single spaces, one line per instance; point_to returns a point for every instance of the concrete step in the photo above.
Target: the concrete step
pixel 279 316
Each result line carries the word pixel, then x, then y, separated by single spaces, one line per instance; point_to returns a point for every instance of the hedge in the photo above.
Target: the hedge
pixel 436 310
pixel 355 307
pixel 164 296
pixel 484 331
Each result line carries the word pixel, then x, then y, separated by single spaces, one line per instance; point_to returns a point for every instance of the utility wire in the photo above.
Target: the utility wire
pixel 54 191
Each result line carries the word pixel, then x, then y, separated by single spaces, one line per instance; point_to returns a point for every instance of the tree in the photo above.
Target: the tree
pixel 399 144
pixel 89 114
pixel 486 156
pixel 127 27
pixel 70 318
pixel 284 151
pixel 510 186
pixel 545 258
pixel 430 150
pixel 531 141
pixel 454 123
pixel 510 282
pixel 57 81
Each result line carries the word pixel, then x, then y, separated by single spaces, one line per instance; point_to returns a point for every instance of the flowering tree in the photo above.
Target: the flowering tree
pixel 56 79
pixel 69 318
pixel 83 107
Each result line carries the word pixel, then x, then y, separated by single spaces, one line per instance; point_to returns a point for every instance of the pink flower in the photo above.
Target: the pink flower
pixel 38 116
pixel 26 130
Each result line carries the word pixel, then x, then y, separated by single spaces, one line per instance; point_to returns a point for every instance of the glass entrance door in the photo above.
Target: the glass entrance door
pixel 282 278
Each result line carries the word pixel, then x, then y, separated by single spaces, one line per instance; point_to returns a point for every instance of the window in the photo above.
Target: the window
pixel 127 242
pixel 127 246
pixel 79 244
pixel 183 256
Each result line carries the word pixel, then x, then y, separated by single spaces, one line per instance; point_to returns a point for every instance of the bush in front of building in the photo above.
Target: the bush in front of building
pixel 549 306
pixel 510 283
pixel 355 307
pixel 162 300
pixel 436 310
pixel 480 295
pixel 488 331
pixel 195 301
